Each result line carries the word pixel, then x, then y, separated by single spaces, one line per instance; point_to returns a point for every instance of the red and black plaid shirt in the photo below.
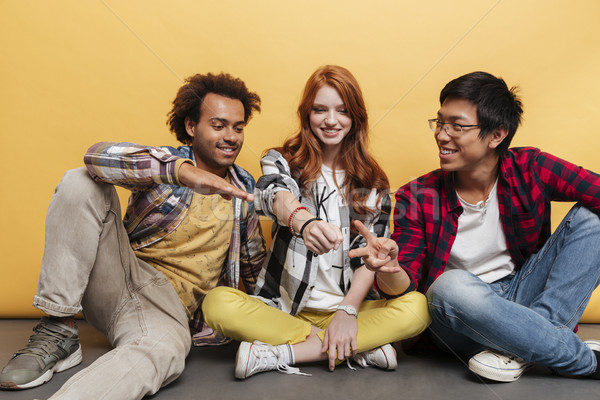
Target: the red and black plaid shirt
pixel 427 210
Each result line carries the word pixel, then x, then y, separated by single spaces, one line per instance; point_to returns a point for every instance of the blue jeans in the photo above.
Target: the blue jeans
pixel 532 313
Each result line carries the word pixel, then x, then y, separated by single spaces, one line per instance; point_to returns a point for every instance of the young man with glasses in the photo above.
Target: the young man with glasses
pixel 474 236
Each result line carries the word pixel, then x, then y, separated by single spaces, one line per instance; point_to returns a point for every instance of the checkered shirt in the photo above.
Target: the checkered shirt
pixel 290 270
pixel 427 210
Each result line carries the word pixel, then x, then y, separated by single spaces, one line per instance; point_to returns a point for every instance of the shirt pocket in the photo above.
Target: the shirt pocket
pixel 527 231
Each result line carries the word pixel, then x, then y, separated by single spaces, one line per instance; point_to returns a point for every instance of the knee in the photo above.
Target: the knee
pixel 77 186
pixel 219 304
pixel 447 285
pixel 75 179
pixel 454 291
pixel 584 217
pixel 413 311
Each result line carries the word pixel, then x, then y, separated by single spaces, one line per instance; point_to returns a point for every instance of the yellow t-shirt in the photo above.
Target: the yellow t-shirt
pixel 193 255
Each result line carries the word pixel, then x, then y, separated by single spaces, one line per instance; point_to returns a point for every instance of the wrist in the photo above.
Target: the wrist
pixel 306 223
pixel 299 220
pixel 348 309
pixel 393 269
pixel 293 221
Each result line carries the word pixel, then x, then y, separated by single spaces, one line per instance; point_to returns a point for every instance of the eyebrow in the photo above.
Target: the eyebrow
pixel 323 105
pixel 225 121
pixel 452 118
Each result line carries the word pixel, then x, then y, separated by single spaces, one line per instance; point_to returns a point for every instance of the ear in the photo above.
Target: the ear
pixel 189 126
pixel 498 136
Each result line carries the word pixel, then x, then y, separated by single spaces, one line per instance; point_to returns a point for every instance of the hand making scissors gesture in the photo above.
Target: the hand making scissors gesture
pixel 380 254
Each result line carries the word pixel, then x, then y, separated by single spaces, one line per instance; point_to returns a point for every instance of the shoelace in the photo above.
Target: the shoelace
pixel 510 359
pixel 349 364
pixel 43 341
pixel 360 359
pixel 274 355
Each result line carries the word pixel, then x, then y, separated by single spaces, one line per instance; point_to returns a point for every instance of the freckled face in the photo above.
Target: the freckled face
pixel 218 136
pixel 329 119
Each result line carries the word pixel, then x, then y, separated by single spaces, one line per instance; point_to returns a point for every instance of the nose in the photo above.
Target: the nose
pixel 230 135
pixel 445 130
pixel 330 118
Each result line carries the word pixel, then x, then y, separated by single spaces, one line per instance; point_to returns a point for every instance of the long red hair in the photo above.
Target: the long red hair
pixel 303 150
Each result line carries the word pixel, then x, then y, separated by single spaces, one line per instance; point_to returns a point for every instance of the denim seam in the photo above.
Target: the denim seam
pixel 581 305
pixel 130 289
pixel 557 235
pixel 546 248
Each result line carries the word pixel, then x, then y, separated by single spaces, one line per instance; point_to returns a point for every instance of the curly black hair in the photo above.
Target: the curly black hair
pixel 190 96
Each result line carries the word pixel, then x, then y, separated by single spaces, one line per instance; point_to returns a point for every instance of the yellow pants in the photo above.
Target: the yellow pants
pixel 245 318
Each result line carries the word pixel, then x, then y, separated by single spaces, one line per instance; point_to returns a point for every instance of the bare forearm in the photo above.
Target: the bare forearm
pixel 284 205
pixel 362 282
pixel 393 283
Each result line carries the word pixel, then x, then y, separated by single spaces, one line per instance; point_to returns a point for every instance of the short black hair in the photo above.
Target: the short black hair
pixel 190 96
pixel 497 105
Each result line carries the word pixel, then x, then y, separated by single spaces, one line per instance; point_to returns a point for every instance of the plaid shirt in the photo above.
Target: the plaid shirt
pixel 158 204
pixel 290 270
pixel 427 210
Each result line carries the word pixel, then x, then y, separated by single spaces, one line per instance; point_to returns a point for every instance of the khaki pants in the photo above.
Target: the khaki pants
pixel 89 265
pixel 245 318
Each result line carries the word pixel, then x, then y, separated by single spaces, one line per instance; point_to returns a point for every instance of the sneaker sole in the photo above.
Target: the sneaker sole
pixel 62 365
pixel 496 374
pixel 241 360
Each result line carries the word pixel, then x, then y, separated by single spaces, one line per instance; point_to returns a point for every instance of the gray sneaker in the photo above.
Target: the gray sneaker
pixel 53 347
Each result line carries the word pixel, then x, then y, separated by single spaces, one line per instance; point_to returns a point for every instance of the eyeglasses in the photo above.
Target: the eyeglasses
pixel 452 129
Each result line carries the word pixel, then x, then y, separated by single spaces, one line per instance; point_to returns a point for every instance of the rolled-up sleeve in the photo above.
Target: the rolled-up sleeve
pixel 276 177
pixel 131 165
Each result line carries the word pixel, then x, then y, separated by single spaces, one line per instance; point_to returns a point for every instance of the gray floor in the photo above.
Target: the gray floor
pixel 209 375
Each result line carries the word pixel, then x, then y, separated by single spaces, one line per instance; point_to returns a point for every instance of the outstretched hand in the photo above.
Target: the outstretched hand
pixel 204 182
pixel 379 255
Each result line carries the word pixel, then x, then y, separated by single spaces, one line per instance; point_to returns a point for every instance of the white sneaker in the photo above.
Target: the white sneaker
pixel 593 344
pixel 383 357
pixel 256 357
pixel 497 366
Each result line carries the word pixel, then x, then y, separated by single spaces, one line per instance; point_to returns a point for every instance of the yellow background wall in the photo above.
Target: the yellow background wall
pixel 75 72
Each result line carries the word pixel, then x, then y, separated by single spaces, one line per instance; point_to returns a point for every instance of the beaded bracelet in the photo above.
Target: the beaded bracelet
pixel 308 222
pixel 291 220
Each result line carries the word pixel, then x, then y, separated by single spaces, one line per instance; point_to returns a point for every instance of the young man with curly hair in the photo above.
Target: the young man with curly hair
pixel 190 225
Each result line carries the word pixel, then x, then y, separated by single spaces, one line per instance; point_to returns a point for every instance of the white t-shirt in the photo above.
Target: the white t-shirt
pixel 326 294
pixel 480 244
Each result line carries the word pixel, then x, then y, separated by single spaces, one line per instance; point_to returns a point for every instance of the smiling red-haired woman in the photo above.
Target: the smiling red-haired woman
pixel 315 299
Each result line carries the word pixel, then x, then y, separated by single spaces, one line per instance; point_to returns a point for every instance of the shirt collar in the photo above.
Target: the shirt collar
pixel 452 199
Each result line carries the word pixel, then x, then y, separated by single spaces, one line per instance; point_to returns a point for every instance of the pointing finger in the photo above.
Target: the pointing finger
pixel 364 231
pixel 359 252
